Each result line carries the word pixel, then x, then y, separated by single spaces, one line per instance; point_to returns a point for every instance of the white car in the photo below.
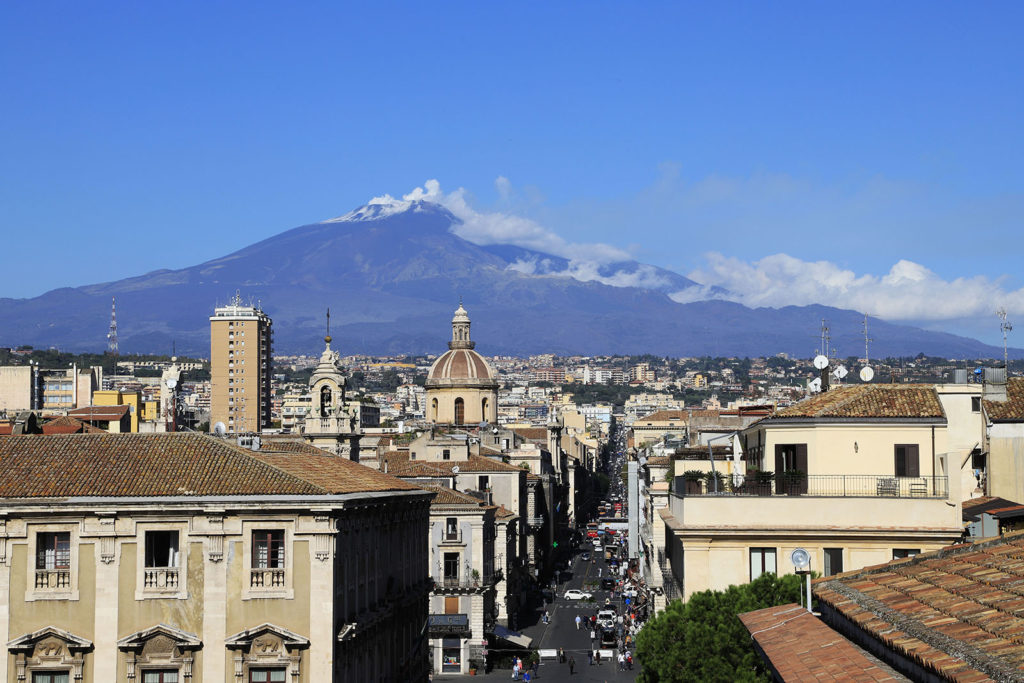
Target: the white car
pixel 576 594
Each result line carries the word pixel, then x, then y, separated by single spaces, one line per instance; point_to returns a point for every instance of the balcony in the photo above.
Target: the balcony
pixel 535 522
pixel 266 578
pixel 823 485
pixel 452 537
pixel 160 578
pixel 839 502
pixel 468 582
pixel 53 579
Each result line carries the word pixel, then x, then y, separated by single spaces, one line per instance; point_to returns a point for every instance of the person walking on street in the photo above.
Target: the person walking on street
pixel 572 665
pixel 590 657
pixel 578 620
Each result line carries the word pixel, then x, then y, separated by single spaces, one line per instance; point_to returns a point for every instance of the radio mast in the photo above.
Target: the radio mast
pixel 112 335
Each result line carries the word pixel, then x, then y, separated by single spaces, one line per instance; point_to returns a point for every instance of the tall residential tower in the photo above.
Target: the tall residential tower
pixel 240 367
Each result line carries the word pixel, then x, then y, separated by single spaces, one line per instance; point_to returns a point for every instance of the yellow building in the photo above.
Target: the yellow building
pixel 462 388
pixel 856 476
pixel 132 399
pixel 182 557
pixel 240 367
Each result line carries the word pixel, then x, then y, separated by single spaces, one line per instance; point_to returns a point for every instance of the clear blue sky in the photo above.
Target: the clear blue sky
pixel 145 135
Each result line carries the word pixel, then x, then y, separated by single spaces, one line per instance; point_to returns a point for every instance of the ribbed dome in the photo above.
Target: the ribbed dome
pixel 460 366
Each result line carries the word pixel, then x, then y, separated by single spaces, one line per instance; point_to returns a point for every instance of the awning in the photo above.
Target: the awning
pixel 517 639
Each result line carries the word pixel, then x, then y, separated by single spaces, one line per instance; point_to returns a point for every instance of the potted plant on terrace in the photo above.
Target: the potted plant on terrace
pixel 758 482
pixel 793 482
pixel 694 482
pixel 715 482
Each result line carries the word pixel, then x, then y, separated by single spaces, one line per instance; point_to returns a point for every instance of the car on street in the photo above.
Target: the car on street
pixel 585 557
pixel 576 594
pixel 606 618
pixel 629 592
pixel 608 583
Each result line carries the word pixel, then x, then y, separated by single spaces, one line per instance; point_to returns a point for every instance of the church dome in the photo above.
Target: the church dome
pixel 461 366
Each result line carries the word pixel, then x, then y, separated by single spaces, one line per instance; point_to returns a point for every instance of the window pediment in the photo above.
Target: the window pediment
pixel 266 645
pixel 49 647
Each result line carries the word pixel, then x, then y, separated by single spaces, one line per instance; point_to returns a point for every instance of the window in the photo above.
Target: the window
pixel 267 559
pixel 460 411
pixel 53 550
pixel 266 675
pixel 762 561
pixel 451 529
pixel 483 482
pixel 162 560
pixel 446 454
pixel 975 404
pixel 50 677
pixel 451 566
pixel 907 460
pixel 161 676
pixel 978 459
pixel 268 549
pixel 833 561
pixel 900 553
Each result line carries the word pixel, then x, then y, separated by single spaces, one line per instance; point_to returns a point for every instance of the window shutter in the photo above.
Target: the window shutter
pixel 780 461
pixel 913 461
pixel 801 457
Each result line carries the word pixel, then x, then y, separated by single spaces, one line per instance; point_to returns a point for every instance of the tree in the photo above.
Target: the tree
pixel 704 640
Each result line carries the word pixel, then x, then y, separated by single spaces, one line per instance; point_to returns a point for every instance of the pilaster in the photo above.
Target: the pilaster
pixel 105 629
pixel 215 618
pixel 5 597
pixel 322 638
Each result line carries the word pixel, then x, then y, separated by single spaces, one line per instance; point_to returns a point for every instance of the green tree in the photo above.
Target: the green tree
pixel 704 640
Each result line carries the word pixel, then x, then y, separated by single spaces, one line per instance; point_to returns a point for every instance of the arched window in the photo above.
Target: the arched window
pixel 483 410
pixel 433 409
pixel 460 411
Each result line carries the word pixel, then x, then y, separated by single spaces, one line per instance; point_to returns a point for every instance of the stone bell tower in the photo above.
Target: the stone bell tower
pixel 328 424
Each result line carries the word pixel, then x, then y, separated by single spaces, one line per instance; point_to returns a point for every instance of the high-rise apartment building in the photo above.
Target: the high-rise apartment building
pixel 240 367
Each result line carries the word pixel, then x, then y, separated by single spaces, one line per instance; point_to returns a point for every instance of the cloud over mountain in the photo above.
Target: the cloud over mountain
pixel 909 291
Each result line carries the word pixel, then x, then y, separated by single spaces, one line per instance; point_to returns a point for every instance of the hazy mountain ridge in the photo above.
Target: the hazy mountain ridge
pixel 392 278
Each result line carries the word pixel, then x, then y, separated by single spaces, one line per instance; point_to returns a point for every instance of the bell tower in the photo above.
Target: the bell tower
pixel 328 424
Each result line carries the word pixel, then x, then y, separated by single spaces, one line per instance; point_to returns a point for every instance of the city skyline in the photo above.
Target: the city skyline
pixel 788 155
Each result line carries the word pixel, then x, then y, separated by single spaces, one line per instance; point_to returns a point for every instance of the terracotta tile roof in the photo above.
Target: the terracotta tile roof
pixel 69 425
pixel 958 612
pixel 400 465
pixel 973 508
pixel 448 496
pixel 504 513
pixel 99 412
pixel 176 464
pixel 1012 409
pixel 869 401
pixel 659 460
pixel 288 445
pixel 801 647
pixel 532 433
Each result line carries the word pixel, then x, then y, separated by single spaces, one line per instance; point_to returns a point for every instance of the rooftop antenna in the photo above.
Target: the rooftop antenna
pixel 237 301
pixel 1004 326
pixel 327 338
pixel 112 334
pixel 866 373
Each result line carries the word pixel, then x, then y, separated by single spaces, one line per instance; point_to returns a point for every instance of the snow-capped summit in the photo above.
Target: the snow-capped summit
pixel 419 200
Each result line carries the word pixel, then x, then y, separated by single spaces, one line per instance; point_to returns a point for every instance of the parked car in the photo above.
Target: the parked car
pixel 576 594
pixel 629 592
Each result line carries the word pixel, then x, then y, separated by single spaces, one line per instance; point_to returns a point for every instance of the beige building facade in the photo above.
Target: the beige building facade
pixel 240 367
pixel 186 558
pixel 856 476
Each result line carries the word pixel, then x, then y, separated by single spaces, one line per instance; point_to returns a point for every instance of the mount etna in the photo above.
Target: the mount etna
pixel 393 274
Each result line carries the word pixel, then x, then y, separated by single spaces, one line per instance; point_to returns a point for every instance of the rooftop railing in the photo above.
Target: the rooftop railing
pixel 823 485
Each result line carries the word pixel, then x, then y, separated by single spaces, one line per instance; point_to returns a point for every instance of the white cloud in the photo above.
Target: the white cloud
pixel 909 291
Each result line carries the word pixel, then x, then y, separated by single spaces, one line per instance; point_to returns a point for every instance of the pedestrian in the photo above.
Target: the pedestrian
pixel 621 661
pixel 590 657
pixel 578 620
pixel 597 657
pixel 536 666
pixel 572 665
pixel 629 660
pixel 599 572
pixel 526 677
pixel 561 655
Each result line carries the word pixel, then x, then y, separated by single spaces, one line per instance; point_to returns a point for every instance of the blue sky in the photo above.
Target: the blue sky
pixel 866 155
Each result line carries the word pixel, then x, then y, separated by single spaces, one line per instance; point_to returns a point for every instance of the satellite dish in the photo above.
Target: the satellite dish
pixel 814 385
pixel 801 559
pixel 455 469
pixel 219 429
pixel 866 374
pixel 821 362
pixel 840 372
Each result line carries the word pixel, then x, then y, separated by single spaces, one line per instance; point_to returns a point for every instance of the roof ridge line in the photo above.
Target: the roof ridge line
pixel 245 453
